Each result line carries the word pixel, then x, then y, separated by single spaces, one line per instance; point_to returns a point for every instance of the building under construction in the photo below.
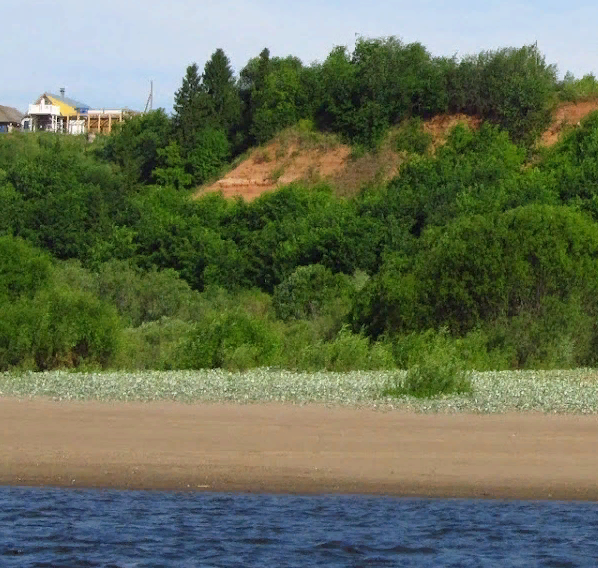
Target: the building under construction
pixel 58 113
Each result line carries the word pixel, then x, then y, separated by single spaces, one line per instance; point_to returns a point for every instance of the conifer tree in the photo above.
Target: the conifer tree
pixel 219 83
pixel 192 108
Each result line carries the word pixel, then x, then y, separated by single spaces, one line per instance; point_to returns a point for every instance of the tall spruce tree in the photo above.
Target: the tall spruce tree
pixel 192 109
pixel 219 83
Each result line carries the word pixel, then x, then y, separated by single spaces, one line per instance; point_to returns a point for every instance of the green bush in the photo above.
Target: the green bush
pixel 24 270
pixel 233 340
pixel 64 200
pixel 304 349
pixel 513 87
pixel 556 334
pixel 437 369
pixel 153 345
pixel 209 155
pixel 412 138
pixel 571 166
pixel 142 297
pixel 477 350
pixel 572 89
pixel 135 144
pixel 349 352
pixel 60 327
pixel 310 291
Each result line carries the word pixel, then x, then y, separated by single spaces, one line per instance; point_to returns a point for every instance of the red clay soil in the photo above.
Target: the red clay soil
pixel 439 126
pixel 293 449
pixel 567 114
pixel 275 165
pixel 270 167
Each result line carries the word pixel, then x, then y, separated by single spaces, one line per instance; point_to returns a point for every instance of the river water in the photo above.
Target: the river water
pixel 135 529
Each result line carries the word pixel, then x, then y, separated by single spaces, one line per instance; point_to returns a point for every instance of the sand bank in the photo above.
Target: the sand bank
pixel 292 449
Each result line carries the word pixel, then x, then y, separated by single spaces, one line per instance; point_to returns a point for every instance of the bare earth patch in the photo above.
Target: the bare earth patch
pixel 275 165
pixel 567 114
pixel 285 159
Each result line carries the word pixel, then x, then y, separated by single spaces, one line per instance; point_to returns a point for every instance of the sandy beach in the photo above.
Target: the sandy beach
pixel 297 449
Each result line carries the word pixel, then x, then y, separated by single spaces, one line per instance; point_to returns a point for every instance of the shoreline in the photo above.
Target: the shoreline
pixel 284 448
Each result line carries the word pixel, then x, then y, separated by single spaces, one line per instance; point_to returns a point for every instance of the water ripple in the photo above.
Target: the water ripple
pixel 135 529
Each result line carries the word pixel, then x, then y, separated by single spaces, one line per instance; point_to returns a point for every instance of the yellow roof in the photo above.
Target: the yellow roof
pixel 68 107
pixel 65 109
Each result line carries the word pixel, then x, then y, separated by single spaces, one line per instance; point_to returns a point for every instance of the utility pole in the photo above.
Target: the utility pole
pixel 150 100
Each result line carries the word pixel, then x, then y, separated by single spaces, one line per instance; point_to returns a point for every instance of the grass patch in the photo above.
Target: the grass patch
pixel 305 136
pixel 277 173
pixel 261 156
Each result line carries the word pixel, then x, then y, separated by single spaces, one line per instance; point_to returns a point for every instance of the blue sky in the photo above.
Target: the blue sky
pixel 105 53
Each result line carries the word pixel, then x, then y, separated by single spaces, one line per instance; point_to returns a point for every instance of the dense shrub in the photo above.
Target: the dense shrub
pixel 60 198
pixel 305 349
pixel 513 87
pixel 412 138
pixel 233 340
pixel 437 369
pixel 135 145
pixel 572 89
pixel 76 328
pixel 58 328
pixel 142 297
pixel 481 268
pixel 24 270
pixel 474 172
pixel 209 155
pixel 571 167
pixel 556 334
pixel 153 345
pixel 310 291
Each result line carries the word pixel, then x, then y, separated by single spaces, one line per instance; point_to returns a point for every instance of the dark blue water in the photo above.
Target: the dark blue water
pixel 84 528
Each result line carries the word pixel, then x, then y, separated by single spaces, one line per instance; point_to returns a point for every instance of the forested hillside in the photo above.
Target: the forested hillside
pixel 481 251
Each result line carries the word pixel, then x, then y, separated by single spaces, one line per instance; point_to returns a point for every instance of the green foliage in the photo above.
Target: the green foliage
pixel 51 318
pixel 571 167
pixel 134 145
pixel 75 328
pixel 481 268
pixel 298 226
pixel 24 270
pixel 309 292
pixel 484 236
pixel 221 87
pixel 513 87
pixel 233 340
pixel 556 334
pixel 349 351
pixel 411 137
pixel 475 172
pixel 192 108
pixel 142 297
pixel 174 232
pixel 575 90
pixel 304 348
pixel 62 199
pixel 277 101
pixel 171 168
pixel 210 153
pixel 435 370
pixel 153 345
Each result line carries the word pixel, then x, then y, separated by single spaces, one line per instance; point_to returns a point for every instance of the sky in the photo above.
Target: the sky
pixel 105 53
